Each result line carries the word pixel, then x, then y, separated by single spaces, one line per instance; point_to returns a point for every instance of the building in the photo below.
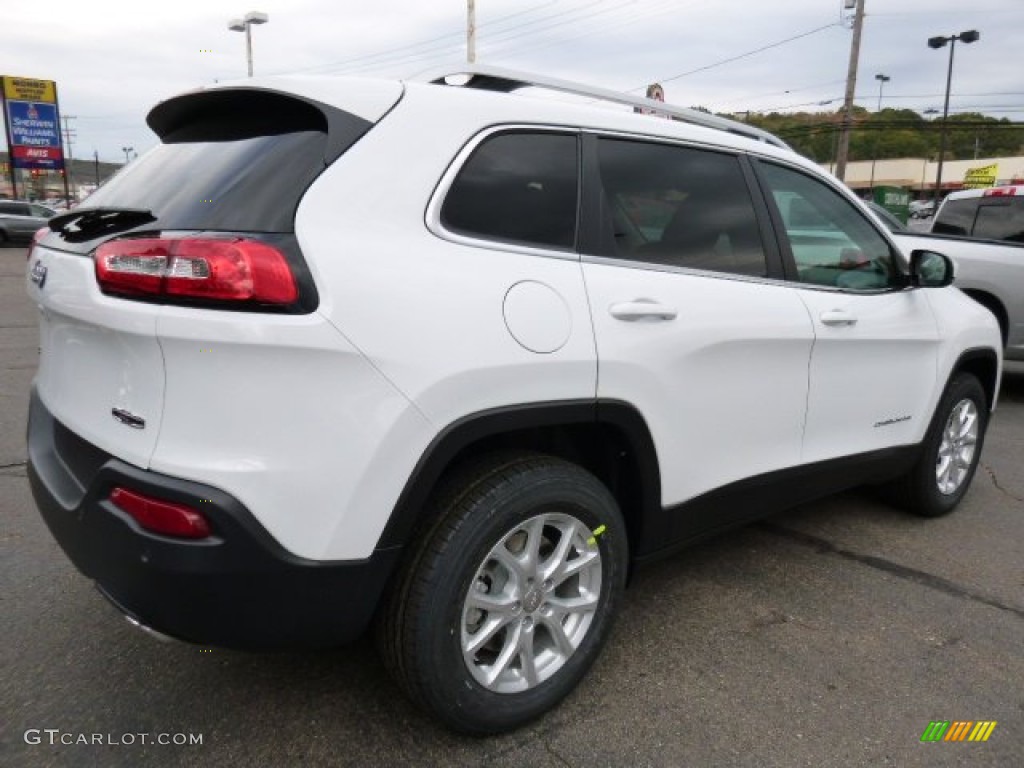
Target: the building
pixel 917 174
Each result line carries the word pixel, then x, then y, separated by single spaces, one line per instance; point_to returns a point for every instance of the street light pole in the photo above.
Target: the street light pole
pixel 882 80
pixel 970 36
pixel 245 25
pixel 126 151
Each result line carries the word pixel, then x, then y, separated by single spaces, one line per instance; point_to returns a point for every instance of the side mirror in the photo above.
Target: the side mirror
pixel 929 269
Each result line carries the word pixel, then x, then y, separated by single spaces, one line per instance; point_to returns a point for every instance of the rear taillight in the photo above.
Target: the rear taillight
pixel 164 517
pixel 213 269
pixel 39 235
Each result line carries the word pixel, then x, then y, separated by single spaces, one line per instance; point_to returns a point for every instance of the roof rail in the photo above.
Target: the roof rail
pixel 508 80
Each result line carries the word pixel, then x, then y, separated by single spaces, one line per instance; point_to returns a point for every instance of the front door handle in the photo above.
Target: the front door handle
pixel 642 309
pixel 838 317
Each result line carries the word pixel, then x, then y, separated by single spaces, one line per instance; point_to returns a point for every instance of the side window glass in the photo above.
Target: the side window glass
pixel 1001 221
pixel 956 217
pixel 14 209
pixel 833 244
pixel 519 188
pixel 678 206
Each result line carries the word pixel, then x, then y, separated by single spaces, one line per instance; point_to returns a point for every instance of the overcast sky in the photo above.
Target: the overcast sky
pixel 114 59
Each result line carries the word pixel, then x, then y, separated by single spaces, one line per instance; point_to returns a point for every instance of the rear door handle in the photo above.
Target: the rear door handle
pixel 643 310
pixel 838 317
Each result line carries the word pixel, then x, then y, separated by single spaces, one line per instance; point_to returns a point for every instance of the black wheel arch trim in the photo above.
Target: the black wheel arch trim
pixel 474 428
pixel 986 356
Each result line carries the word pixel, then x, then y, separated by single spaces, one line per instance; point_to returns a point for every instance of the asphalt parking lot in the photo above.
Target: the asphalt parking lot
pixel 828 636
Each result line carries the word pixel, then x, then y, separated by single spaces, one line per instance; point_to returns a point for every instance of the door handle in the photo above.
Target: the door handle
pixel 642 309
pixel 838 317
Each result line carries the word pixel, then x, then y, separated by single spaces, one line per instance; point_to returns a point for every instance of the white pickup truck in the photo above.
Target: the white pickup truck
pixel 982 231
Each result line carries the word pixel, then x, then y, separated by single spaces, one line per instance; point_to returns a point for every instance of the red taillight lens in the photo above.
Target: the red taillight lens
pixel 39 235
pixel 216 269
pixel 164 517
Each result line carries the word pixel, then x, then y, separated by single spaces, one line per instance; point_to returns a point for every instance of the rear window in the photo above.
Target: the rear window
pixel 956 217
pixel 231 160
pixel 251 185
pixel 1003 220
pixel 989 218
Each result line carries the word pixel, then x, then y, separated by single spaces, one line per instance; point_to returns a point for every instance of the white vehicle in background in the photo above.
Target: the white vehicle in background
pixel 995 213
pixel 982 230
pixel 991 273
pixel 922 209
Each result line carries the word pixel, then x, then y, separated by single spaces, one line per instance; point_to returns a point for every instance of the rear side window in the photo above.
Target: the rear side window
pixel 14 209
pixel 1003 220
pixel 519 188
pixel 678 206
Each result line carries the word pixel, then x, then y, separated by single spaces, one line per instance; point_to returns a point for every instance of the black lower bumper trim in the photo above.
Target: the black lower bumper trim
pixel 237 589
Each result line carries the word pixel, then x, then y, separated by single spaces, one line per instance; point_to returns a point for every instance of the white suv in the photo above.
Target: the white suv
pixel 455 360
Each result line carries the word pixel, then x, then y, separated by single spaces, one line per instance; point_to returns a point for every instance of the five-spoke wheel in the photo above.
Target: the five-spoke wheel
pixel 508 597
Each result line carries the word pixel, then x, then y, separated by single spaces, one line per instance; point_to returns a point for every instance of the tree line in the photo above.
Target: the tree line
pixel 892 133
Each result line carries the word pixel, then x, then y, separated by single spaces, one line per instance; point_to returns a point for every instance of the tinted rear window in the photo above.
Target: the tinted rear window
pixel 1003 220
pixel 956 217
pixel 249 184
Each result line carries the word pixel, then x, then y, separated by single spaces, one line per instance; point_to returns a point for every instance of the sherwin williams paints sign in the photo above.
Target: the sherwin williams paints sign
pixel 32 120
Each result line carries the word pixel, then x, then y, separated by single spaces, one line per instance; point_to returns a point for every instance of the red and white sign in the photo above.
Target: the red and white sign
pixel 37 153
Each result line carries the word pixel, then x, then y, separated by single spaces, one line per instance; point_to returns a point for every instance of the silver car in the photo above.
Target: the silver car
pixel 20 220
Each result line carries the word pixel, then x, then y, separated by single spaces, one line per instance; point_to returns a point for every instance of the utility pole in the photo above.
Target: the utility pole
pixel 70 159
pixel 851 85
pixel 96 167
pixel 471 31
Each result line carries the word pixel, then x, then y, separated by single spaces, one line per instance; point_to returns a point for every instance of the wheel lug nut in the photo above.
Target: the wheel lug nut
pixel 527 623
pixel 548 585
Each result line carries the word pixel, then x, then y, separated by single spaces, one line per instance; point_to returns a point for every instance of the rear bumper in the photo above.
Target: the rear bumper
pixel 238 588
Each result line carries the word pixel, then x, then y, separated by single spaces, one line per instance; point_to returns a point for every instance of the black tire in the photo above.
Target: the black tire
pixel 428 616
pixel 919 491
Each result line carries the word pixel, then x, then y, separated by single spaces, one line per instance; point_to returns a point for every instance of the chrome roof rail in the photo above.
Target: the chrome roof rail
pixel 508 80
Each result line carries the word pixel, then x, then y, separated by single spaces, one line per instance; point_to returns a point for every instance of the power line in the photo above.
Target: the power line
pixel 575 15
pixel 398 50
pixel 743 55
pixel 591 32
pixel 435 48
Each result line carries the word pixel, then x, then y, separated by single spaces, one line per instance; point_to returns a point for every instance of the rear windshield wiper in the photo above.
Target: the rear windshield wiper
pixel 82 225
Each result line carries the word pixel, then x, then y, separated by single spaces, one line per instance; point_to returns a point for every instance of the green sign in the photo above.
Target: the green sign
pixel 895 200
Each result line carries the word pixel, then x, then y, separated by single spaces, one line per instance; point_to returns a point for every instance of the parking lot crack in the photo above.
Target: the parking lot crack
pixel 551 751
pixel 824 546
pixel 995 481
